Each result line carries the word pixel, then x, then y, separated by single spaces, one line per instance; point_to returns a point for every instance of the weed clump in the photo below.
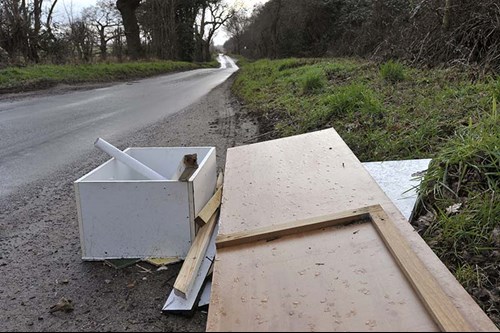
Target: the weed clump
pixel 392 71
pixel 313 80
pixel 354 99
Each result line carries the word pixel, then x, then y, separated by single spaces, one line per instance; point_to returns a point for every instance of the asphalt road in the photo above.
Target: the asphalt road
pixel 40 252
pixel 40 134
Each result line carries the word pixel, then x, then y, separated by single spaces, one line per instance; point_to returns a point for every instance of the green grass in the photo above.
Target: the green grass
pixel 379 120
pixel 466 173
pixel 392 71
pixel 41 76
pixel 313 81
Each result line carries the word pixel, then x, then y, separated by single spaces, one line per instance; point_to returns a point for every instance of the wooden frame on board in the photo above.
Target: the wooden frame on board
pixel 435 300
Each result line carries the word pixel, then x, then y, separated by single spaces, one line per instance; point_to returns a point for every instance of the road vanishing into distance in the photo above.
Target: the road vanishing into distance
pixel 43 133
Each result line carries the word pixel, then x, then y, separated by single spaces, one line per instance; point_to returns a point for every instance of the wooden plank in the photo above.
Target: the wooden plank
pixel 181 305
pixel 189 270
pixel 276 231
pixel 187 173
pixel 209 209
pixel 220 180
pixel 432 295
pixel 159 262
pixel 190 162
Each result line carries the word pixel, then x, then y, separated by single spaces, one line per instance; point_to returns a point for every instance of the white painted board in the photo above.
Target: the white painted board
pixel 202 186
pixel 134 220
pixel 205 294
pixel 397 180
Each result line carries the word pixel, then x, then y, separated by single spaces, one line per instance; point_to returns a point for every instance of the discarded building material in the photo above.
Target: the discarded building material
pixel 189 270
pixel 341 278
pixel 276 231
pixel 128 160
pixel 121 263
pixel 208 211
pixel 190 162
pixel 179 304
pixel 159 262
pixel 439 305
pixel 435 300
pixel 220 180
pixel 64 305
pixel 205 294
pixel 123 215
pixel 397 179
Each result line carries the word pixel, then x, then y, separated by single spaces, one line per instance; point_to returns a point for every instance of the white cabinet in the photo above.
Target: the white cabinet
pixel 123 215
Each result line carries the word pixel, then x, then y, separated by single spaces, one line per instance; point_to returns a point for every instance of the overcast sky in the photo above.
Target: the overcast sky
pixel 77 6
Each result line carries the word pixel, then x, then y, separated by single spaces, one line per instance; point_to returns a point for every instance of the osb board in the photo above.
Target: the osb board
pixel 314 174
pixel 344 278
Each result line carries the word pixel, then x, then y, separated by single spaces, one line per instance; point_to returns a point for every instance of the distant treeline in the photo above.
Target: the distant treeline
pixel 121 29
pixel 420 31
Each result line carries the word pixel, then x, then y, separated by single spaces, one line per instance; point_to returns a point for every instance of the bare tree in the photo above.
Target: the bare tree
pixel 213 15
pixel 21 28
pixel 274 27
pixel 236 26
pixel 158 21
pixel 105 18
pixel 82 37
pixel 48 20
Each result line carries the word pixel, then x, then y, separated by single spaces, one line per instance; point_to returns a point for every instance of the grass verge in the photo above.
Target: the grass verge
pixel 460 210
pixel 393 112
pixel 14 79
pixel 378 119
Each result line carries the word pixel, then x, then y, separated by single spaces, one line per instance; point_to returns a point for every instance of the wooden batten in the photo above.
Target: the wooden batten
pixel 448 318
pixel 189 270
pixel 276 231
pixel 209 209
pixel 220 180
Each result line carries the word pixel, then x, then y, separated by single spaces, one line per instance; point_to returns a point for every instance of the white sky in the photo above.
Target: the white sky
pixel 77 6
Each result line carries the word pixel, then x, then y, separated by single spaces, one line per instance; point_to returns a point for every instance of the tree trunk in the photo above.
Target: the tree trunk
pixel 274 29
pixel 127 9
pixel 185 18
pixel 206 52
pixel 238 44
pixel 200 42
pixel 446 15
pixel 102 45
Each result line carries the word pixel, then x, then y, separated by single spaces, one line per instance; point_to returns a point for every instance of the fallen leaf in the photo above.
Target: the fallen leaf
pixel 453 209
